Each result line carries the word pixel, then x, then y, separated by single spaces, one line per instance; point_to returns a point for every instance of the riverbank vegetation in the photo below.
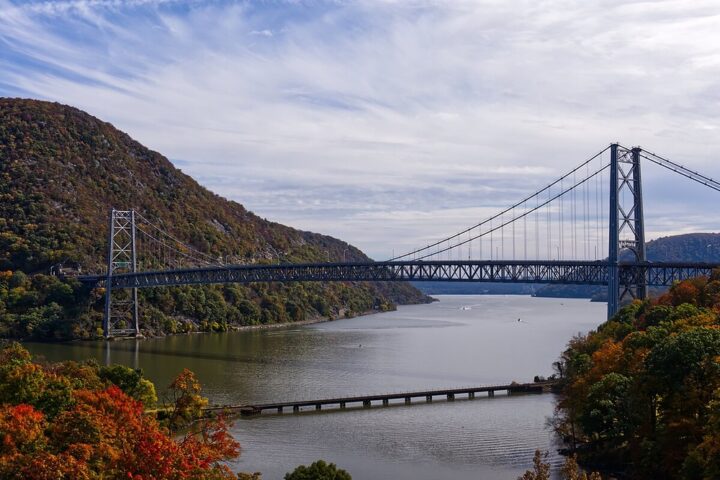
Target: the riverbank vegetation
pixel 641 394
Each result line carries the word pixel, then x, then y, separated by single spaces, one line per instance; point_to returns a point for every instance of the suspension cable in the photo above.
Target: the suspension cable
pixel 502 225
pixel 212 260
pixel 456 235
pixel 681 170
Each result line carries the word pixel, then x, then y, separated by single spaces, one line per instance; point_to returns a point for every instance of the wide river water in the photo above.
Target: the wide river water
pixel 460 340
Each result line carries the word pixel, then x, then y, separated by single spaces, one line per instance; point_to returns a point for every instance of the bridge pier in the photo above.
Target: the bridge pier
pixel 280 409
pixel 296 408
pixel 450 397
pixel 491 393
pixel 428 398
pixel 386 402
pixel 318 406
pixel 367 404
pixel 407 401
pixel 342 404
pixel 471 395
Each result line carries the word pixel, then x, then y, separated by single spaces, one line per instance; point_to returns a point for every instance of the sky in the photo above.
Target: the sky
pixel 387 123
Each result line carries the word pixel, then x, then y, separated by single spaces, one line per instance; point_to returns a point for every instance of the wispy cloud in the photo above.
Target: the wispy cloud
pixel 358 118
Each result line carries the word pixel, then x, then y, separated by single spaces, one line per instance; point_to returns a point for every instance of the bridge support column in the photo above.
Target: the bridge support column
pixel 386 402
pixel 296 408
pixel 491 393
pixel 471 395
pixel 280 409
pixel 627 227
pixel 428 398
pixel 450 397
pixel 318 406
pixel 367 403
pixel 613 236
pixel 407 401
pixel 121 314
pixel 342 404
pixel 640 254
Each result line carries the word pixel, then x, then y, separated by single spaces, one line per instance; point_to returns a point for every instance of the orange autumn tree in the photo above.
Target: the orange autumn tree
pixel 63 421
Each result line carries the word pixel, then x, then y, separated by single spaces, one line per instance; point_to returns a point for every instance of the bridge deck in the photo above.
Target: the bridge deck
pixel 367 400
pixel 559 272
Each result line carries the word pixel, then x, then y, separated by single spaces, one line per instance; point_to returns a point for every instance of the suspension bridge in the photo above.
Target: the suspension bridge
pixel 585 228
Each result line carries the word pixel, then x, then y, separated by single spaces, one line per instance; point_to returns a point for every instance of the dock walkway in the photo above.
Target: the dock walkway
pixel 384 399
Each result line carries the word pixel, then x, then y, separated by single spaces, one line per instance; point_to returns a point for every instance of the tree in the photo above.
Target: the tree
pixel 606 414
pixel 571 471
pixel 703 461
pixel 186 399
pixel 319 470
pixel 541 469
pixel 131 382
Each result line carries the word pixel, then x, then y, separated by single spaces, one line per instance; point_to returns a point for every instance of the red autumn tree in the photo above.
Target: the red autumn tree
pixel 100 432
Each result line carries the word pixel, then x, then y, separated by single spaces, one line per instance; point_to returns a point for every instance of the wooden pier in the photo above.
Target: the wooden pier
pixel 368 401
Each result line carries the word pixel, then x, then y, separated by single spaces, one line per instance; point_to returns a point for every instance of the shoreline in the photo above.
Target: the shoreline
pixel 301 323
pixel 233 328
pixel 267 326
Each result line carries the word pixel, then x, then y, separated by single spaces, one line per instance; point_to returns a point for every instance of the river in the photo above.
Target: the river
pixel 460 340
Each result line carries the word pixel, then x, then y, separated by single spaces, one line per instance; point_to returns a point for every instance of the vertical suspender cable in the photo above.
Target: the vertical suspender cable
pixel 525 230
pixel 513 233
pixel 548 230
pixel 561 217
pixel 537 229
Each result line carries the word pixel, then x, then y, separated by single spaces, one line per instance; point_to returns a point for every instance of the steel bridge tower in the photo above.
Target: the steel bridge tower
pixel 121 313
pixel 627 226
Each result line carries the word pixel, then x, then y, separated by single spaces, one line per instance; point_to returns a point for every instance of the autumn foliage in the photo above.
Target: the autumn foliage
pixel 641 394
pixel 63 421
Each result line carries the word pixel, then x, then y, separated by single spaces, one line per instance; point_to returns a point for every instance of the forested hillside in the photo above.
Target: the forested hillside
pixel 61 170
pixel 641 394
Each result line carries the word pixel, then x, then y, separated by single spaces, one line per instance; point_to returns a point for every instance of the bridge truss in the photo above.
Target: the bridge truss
pixel 552 272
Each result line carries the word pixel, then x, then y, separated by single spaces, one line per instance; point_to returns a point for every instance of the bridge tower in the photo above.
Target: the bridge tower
pixel 121 307
pixel 627 226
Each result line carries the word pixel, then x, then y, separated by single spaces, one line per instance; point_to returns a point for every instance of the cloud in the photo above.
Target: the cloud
pixel 365 120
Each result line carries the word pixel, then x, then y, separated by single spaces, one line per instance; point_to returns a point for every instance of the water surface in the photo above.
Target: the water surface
pixel 458 341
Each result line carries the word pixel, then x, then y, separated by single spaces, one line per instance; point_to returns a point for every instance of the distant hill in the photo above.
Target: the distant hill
pixel 61 170
pixel 691 247
pixel 475 288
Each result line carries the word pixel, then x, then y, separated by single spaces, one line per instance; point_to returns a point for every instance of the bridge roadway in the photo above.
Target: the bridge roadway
pixel 366 400
pixel 555 272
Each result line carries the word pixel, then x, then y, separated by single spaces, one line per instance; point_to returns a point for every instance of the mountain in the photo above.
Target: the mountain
pixel 690 247
pixel 62 170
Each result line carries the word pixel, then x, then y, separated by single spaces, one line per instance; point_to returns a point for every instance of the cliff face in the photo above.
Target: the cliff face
pixel 61 170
